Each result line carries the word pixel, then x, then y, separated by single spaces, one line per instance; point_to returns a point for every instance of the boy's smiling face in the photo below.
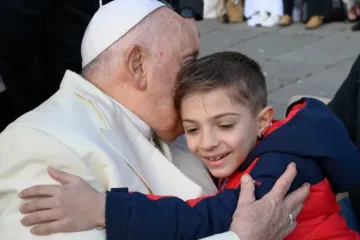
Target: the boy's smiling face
pixel 219 131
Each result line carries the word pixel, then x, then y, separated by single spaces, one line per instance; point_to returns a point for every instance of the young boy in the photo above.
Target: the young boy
pixel 230 128
pixel 228 125
pixel 223 103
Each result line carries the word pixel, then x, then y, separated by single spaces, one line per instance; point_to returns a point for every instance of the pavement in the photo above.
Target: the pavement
pixel 294 60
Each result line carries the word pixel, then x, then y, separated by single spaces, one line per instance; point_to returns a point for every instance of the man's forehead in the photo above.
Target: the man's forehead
pixel 192 35
pixel 196 33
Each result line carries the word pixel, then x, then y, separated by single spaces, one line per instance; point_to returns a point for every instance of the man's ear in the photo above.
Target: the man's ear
pixel 134 59
pixel 264 120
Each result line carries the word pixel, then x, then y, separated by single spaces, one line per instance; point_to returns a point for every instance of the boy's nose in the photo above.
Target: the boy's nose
pixel 209 140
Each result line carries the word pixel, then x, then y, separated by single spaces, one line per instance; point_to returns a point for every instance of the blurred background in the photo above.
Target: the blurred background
pixel 301 53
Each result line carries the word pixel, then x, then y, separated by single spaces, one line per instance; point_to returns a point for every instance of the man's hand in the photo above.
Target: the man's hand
pixel 269 217
pixel 71 207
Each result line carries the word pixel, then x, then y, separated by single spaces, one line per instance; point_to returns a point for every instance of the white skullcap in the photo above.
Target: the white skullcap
pixel 111 22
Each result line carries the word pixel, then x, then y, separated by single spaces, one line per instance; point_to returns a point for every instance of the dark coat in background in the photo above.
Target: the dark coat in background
pixel 39 41
pixel 196 5
pixel 346 105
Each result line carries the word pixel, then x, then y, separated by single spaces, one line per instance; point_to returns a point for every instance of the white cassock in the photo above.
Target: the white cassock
pixel 83 131
pixel 256 11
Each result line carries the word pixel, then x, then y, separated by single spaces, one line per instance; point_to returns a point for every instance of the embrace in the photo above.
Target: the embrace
pixel 105 156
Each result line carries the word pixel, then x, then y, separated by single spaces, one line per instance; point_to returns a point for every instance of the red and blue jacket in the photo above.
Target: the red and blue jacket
pixel 310 136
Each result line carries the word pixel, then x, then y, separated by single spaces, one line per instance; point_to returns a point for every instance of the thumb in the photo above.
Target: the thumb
pixel 60 176
pixel 247 195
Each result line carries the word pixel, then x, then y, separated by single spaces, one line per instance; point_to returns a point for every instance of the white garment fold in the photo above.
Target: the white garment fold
pixel 210 8
pixel 271 6
pixel 263 12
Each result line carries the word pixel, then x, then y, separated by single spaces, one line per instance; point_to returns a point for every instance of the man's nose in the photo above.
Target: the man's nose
pixel 209 140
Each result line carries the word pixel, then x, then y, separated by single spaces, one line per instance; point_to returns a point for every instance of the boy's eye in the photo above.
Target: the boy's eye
pixel 227 126
pixel 191 130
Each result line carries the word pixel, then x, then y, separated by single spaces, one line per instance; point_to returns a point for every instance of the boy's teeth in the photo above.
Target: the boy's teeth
pixel 217 158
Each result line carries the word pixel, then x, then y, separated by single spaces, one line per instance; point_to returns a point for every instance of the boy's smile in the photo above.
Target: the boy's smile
pixel 216 160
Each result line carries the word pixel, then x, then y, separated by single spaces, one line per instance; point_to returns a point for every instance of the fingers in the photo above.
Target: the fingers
pixel 41 217
pixel 290 229
pixel 62 177
pixel 283 184
pixel 290 224
pixel 37 205
pixel 47 229
pixel 297 211
pixel 247 195
pixel 297 198
pixel 40 191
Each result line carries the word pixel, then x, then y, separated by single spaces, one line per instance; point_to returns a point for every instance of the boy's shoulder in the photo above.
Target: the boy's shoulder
pixel 269 167
pixel 274 164
pixel 308 108
pixel 312 137
pixel 309 130
pixel 303 115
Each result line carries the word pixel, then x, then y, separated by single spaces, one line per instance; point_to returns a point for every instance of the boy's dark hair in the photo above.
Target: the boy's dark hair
pixel 232 71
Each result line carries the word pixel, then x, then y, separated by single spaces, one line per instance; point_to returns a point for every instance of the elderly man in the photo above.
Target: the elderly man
pixel 43 39
pixel 100 125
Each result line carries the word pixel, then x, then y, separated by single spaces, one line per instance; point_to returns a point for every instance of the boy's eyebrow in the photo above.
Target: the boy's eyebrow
pixel 188 120
pixel 225 114
pixel 215 117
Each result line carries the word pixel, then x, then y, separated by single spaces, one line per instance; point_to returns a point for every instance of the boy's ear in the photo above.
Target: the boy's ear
pixel 264 120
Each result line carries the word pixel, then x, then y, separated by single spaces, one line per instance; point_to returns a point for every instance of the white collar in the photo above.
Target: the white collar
pixel 109 108
pixel 139 124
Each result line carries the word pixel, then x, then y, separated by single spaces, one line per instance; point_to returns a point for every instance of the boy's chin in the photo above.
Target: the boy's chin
pixel 222 173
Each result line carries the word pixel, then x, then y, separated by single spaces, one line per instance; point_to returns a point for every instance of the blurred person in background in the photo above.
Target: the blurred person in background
pixel 265 13
pixel 40 40
pixel 188 8
pixel 346 105
pixel 353 10
pixel 353 15
pixel 317 11
pixel 356 27
pixel 230 11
